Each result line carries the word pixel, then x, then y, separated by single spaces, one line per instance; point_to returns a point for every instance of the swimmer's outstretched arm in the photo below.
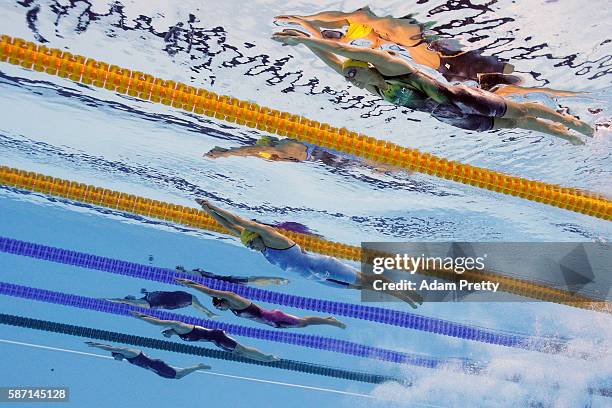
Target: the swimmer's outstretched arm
pixel 236 301
pixel 268 234
pixel 221 218
pixel 330 59
pixel 128 352
pixel 178 327
pixel 384 61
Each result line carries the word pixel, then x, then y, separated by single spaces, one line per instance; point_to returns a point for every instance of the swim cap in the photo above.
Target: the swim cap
pixel 265 155
pixel 357 31
pixel 354 63
pixel 247 236
pixel 266 141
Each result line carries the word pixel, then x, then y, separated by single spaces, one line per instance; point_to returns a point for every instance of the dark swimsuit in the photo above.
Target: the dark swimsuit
pixel 216 336
pixel 274 318
pixel 168 300
pixel 159 367
pixel 460 106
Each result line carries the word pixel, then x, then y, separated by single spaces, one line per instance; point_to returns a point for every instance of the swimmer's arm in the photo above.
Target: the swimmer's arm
pixel 234 299
pixel 223 217
pixel 270 236
pixel 328 58
pixel 384 61
pixel 113 348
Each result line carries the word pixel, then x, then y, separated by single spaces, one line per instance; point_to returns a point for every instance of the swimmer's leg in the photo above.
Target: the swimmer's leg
pixel 181 372
pixel 317 320
pixel 539 125
pixel 521 110
pixel 254 354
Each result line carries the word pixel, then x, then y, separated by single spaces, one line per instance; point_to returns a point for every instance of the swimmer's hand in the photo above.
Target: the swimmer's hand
pixel 288 37
pixel 204 203
pixel 187 282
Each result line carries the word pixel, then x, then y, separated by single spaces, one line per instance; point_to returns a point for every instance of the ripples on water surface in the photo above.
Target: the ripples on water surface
pixel 94 136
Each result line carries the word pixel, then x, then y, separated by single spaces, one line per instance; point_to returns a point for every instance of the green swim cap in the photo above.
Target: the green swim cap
pixel 267 141
pixel 247 236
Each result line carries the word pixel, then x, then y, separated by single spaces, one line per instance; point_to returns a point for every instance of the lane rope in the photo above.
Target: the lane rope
pixel 150 343
pixel 363 312
pixel 196 218
pixel 304 340
pixel 140 85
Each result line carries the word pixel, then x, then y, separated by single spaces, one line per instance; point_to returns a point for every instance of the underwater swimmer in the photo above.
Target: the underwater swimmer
pixel 140 359
pixel 367 29
pixel 242 307
pixel 164 300
pixel 274 149
pixel 288 256
pixel 396 81
pixel 190 332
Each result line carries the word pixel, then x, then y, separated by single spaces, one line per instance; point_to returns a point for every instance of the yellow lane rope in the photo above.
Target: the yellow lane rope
pixel 199 219
pixel 144 86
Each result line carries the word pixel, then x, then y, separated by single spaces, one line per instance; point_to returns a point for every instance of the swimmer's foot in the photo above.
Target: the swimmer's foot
pixel 335 322
pixel 203 366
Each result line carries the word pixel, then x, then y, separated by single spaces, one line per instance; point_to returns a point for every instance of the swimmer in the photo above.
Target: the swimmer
pixel 164 300
pixel 190 332
pixel 396 81
pixel 367 29
pixel 140 359
pixel 274 149
pixel 241 307
pixel 288 256
pixel 239 280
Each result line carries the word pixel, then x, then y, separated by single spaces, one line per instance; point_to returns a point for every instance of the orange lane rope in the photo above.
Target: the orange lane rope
pixel 144 86
pixel 199 219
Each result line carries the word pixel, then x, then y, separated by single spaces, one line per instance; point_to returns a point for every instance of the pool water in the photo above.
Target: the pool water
pixel 56 127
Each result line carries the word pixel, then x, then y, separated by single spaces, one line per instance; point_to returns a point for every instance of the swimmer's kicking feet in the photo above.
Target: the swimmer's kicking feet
pixel 242 307
pixel 396 81
pixel 190 332
pixel 140 359
pixel 288 256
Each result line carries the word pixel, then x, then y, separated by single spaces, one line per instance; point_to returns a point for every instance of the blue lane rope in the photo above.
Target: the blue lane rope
pixel 370 313
pixel 98 334
pixel 305 340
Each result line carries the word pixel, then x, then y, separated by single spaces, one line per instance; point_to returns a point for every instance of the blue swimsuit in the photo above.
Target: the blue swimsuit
pixel 322 268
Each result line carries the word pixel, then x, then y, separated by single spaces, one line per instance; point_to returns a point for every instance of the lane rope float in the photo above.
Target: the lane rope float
pixel 140 85
pixel 196 218
pixel 369 313
pixel 304 340
pixel 139 341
